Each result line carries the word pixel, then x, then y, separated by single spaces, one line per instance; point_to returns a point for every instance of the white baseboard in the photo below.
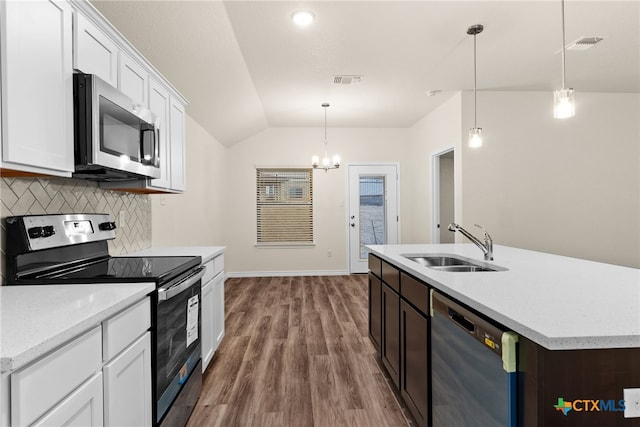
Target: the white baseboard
pixel 233 274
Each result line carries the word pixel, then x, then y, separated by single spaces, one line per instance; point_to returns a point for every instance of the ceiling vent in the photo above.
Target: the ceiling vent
pixel 346 79
pixel 583 43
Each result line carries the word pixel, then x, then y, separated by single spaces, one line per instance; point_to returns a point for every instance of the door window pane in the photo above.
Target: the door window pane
pixel 372 212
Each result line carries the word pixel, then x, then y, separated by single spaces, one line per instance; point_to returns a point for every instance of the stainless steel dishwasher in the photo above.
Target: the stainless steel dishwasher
pixel 474 375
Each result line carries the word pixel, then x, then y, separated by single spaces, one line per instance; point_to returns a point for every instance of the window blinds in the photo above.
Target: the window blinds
pixel 284 205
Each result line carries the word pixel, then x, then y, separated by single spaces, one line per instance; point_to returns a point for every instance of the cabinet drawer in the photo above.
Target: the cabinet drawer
pixel 416 292
pixel 122 329
pixel 391 276
pixel 375 265
pixel 214 267
pixel 40 386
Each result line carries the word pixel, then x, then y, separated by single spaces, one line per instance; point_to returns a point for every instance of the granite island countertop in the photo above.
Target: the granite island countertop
pixel 35 320
pixel 558 302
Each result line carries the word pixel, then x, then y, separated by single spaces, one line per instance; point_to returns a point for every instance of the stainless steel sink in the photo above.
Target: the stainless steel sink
pixel 452 263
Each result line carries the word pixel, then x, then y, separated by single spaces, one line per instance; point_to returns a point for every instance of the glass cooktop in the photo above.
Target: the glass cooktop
pixel 123 269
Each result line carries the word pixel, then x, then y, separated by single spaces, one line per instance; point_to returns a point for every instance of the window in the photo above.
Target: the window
pixel 284 199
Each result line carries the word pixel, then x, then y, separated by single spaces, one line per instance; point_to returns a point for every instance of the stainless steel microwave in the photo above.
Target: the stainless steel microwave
pixel 115 138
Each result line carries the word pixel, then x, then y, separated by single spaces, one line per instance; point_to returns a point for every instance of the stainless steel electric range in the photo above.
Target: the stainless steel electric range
pixel 73 249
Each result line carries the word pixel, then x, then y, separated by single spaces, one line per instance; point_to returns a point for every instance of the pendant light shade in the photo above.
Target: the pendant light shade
pixel 327 164
pixel 563 102
pixel 475 133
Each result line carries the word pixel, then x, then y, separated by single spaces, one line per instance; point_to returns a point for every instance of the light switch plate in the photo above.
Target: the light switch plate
pixel 631 402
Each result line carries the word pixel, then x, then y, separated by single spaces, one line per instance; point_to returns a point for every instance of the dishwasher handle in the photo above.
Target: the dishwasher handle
pixel 461 321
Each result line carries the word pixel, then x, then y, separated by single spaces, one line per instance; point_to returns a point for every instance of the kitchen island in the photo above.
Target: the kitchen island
pixel 578 324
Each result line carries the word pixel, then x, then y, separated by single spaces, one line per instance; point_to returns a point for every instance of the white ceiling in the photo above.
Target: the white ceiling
pixel 245 67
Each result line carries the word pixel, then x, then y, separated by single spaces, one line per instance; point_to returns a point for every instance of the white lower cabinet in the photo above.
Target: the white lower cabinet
pixel 207 324
pixel 127 386
pixel 218 310
pixel 102 378
pixel 83 408
pixel 212 309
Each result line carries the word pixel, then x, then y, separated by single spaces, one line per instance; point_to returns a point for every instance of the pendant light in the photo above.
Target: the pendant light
pixel 563 103
pixel 326 164
pixel 475 133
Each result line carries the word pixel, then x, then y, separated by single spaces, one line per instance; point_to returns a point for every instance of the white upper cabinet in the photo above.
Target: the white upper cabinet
pixel 133 79
pixel 177 117
pixel 159 105
pixel 37 86
pixel 94 52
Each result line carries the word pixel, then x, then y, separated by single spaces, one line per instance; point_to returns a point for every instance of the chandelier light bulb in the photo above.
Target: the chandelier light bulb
pixel 327 163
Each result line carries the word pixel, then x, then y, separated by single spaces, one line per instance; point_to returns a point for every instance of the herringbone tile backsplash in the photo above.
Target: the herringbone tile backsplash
pixel 32 196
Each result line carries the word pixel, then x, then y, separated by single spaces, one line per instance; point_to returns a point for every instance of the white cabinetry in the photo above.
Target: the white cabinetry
pixel 159 103
pixel 37 87
pixel 127 386
pixel 93 51
pixel 212 309
pixel 177 132
pixel 101 378
pixel 133 79
pixel 83 408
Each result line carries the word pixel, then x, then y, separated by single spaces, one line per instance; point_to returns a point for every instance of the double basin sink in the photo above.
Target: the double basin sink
pixel 452 263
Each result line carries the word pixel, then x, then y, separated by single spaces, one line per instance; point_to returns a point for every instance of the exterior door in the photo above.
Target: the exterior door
pixel 373 211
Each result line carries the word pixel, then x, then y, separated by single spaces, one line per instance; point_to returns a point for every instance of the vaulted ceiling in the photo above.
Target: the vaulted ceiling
pixel 245 67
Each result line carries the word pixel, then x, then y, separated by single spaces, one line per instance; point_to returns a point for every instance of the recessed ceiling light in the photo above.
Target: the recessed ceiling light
pixel 302 18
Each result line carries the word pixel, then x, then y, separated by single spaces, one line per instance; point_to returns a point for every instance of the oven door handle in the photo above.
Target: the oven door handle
pixel 168 293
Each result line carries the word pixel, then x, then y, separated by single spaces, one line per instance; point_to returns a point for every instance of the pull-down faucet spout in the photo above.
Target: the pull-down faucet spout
pixel 486 247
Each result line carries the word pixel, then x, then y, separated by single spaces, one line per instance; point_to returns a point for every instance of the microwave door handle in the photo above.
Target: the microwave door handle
pixel 165 294
pixel 143 148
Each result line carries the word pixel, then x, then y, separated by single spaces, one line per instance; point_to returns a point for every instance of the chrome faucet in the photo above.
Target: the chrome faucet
pixel 487 247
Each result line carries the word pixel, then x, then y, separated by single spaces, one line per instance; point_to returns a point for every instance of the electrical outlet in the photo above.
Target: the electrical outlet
pixel 330 254
pixel 631 402
pixel 122 219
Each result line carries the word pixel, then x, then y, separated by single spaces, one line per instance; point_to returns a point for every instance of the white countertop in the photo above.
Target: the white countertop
pixel 206 252
pixel 37 319
pixel 557 302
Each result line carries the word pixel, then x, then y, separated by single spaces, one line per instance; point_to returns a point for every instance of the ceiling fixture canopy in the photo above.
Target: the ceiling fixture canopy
pixel 326 164
pixel 563 99
pixel 475 133
pixel 303 18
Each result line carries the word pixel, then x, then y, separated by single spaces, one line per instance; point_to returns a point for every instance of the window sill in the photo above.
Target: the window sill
pixel 284 245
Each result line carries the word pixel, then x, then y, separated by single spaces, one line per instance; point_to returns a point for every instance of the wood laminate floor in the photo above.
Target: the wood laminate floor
pixel 296 353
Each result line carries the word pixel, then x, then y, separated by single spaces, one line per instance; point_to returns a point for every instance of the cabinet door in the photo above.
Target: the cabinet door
pixel 127 386
pixel 133 79
pixel 218 310
pixel 37 86
pixel 177 131
pixel 159 105
pixel 390 349
pixel 414 354
pixel 93 51
pixel 82 408
pixel 375 296
pixel 207 338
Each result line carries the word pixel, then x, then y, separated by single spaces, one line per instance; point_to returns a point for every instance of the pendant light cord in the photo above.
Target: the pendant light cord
pixel 475 96
pixel 563 45
pixel 325 134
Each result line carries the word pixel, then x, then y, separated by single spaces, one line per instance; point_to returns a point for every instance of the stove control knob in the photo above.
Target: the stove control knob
pixel 35 232
pixel 48 231
pixel 106 226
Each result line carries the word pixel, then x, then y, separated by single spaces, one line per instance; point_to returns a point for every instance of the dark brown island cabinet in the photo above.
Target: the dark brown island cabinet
pixel 590 381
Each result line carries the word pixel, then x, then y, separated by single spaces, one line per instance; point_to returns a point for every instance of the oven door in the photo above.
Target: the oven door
pixel 178 343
